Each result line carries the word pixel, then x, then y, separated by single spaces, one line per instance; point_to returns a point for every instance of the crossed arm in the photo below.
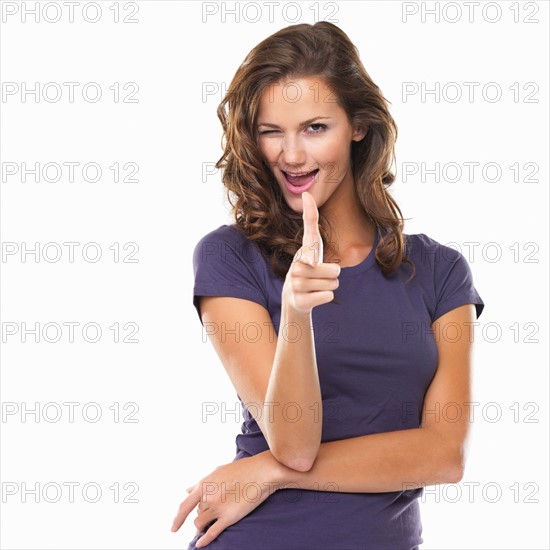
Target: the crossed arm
pixel 384 462
pixel 392 461
pixel 405 459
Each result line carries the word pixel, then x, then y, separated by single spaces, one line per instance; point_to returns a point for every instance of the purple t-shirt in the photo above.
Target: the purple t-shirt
pixel 376 356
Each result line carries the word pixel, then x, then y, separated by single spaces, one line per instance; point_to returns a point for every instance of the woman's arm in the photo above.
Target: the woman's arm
pixel 277 378
pixel 376 463
pixel 294 381
pixel 404 459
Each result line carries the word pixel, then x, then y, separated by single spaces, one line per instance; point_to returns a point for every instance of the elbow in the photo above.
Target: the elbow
pixel 451 455
pixel 300 462
pixel 454 474
pixel 455 465
pixel 299 457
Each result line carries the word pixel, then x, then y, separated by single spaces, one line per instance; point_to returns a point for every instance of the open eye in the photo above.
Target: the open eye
pixel 323 127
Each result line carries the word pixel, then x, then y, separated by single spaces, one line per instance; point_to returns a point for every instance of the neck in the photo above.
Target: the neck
pixel 351 230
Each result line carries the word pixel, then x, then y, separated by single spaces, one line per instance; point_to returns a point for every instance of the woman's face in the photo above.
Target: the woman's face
pixel 305 137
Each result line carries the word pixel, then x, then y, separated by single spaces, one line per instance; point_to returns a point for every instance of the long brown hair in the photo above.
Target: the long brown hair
pixel 259 207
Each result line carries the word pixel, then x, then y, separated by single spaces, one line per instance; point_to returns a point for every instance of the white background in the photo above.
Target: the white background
pixel 171 132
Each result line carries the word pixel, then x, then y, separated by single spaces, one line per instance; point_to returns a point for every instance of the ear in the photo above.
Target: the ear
pixel 359 133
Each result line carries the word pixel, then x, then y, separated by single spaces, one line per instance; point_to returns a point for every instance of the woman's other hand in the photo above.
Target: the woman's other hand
pixel 230 493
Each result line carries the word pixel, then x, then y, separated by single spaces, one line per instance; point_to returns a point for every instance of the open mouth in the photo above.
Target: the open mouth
pixel 297 180
pixel 298 183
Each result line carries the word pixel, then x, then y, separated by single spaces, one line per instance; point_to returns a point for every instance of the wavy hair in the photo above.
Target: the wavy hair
pixel 259 208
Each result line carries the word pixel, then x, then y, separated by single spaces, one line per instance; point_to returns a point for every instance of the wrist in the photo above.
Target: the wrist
pixel 279 474
pixel 290 314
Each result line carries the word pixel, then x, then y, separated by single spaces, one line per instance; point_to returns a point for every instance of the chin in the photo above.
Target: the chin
pixel 295 205
pixel 295 202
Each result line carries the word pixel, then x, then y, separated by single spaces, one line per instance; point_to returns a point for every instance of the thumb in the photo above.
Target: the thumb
pixel 312 241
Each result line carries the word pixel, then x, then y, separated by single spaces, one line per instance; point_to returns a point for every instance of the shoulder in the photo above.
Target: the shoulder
pixel 229 245
pixel 435 262
pixel 223 237
pixel 224 233
pixel 227 263
pixel 425 250
pixel 444 273
pixel 420 242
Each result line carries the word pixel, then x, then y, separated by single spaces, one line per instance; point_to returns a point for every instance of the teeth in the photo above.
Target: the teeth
pixel 302 174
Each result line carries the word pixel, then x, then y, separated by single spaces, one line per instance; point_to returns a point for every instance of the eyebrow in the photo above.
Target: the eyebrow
pixel 305 123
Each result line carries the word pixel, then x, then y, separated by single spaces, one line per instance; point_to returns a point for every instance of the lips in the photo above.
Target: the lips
pixel 298 184
pixel 299 180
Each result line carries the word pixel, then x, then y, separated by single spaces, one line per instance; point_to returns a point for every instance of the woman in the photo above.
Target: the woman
pixel 346 340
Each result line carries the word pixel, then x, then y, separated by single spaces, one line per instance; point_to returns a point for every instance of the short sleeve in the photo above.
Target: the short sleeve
pixel 225 263
pixel 453 281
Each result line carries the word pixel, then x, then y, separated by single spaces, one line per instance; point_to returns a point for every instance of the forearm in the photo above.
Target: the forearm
pixel 292 409
pixel 377 463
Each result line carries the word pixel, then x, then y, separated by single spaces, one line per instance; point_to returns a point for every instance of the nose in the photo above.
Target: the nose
pixel 292 151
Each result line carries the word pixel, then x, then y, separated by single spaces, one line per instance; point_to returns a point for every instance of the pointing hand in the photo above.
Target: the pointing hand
pixel 309 281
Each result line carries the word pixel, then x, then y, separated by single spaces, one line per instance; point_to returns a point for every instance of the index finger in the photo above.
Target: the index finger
pixel 185 509
pixel 312 240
